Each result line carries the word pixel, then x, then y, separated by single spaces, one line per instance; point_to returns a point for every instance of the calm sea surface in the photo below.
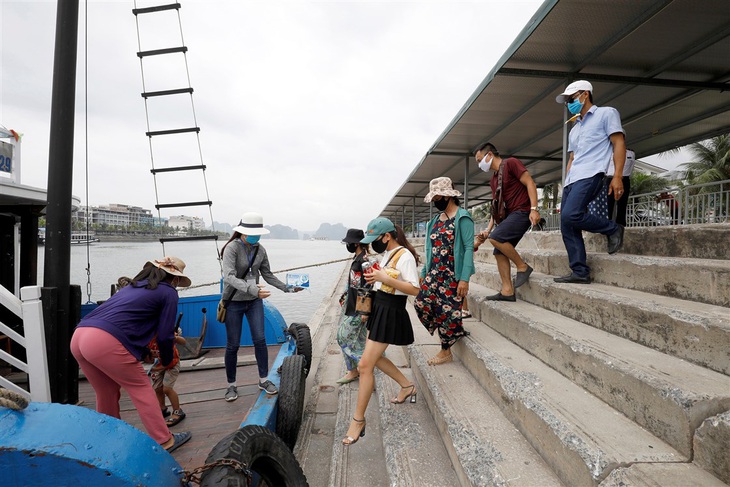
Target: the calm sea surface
pixel 111 260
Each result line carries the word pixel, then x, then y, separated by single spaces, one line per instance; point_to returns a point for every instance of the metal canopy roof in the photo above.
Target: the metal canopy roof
pixel 663 64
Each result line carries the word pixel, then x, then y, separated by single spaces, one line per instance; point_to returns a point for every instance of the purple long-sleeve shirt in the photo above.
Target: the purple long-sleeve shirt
pixel 135 314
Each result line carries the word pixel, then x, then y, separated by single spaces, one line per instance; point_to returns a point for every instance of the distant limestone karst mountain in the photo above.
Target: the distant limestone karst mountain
pixel 282 232
pixel 222 227
pixel 331 232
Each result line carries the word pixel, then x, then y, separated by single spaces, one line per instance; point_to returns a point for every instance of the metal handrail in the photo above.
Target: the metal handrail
pixel 29 308
pixel 649 209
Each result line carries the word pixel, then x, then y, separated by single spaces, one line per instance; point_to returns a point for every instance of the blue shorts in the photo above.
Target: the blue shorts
pixel 512 229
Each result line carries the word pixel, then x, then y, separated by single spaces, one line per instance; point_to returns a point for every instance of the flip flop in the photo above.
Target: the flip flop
pixel 465 314
pixel 344 380
pixel 179 440
pixel 177 416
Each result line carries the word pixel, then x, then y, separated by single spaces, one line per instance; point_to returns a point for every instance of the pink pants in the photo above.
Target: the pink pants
pixel 109 366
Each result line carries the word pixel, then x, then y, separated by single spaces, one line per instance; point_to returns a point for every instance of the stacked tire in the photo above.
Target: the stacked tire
pixel 264 453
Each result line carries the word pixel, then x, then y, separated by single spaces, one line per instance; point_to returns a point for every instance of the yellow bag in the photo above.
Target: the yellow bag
pixel 221 312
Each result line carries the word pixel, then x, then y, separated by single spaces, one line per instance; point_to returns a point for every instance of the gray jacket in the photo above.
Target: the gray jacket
pixel 235 263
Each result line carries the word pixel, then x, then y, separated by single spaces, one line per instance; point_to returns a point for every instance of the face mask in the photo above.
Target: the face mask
pixel 351 247
pixel 441 204
pixel 379 246
pixel 575 106
pixel 484 165
pixel 253 239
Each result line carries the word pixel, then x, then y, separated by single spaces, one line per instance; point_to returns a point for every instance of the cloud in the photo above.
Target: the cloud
pixel 310 112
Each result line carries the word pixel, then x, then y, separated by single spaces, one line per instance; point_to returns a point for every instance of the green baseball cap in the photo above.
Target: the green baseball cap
pixel 376 228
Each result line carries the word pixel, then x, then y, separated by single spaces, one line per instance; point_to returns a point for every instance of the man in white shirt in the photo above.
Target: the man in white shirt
pixel 596 137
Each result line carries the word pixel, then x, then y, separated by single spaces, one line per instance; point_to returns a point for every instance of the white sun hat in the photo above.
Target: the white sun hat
pixel 251 224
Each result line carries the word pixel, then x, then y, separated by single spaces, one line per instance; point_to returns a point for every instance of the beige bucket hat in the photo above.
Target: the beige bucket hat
pixel 441 187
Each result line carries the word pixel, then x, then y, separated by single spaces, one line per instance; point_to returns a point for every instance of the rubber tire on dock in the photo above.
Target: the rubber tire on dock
pixel 262 451
pixel 303 338
pixel 291 399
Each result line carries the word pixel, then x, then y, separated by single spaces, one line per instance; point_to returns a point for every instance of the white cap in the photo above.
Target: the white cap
pixel 572 89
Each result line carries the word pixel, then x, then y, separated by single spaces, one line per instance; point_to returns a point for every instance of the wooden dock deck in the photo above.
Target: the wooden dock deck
pixel 201 389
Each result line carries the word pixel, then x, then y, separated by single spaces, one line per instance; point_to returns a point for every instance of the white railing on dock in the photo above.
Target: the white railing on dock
pixel 29 309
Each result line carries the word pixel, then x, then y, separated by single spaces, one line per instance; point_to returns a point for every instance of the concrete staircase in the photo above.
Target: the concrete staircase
pixel 623 382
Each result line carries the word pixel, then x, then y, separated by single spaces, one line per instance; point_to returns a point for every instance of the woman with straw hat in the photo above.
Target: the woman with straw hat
pixel 111 341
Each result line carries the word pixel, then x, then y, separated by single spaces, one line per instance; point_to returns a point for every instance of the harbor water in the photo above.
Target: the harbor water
pixel 111 260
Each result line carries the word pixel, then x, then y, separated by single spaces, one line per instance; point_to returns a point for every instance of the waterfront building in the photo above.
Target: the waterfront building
pixel 183 222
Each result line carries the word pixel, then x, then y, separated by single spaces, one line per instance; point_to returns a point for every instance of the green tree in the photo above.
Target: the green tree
pixel 711 160
pixel 550 196
pixel 642 183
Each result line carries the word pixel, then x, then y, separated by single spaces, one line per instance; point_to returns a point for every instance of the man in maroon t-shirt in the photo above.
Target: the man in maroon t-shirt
pixel 519 194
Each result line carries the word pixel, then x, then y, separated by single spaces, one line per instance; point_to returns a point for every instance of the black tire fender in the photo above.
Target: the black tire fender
pixel 262 451
pixel 303 338
pixel 290 403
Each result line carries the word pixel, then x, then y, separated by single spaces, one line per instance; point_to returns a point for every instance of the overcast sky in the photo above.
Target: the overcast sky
pixel 310 112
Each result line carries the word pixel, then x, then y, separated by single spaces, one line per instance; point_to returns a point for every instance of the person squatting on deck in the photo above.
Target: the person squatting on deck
pixel 111 341
pixel 388 323
pixel 352 332
pixel 244 260
pixel 596 137
pixel 513 188
pixel 449 266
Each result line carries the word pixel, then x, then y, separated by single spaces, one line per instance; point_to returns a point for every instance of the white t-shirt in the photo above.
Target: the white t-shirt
pixel 628 165
pixel 406 265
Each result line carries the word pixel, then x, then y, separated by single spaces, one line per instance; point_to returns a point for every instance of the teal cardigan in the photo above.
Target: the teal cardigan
pixel 463 246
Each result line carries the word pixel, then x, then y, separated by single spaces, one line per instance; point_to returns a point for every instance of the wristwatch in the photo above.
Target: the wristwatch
pixel 534 208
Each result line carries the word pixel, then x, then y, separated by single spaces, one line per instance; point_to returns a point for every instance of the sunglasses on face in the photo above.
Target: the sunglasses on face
pixel 574 97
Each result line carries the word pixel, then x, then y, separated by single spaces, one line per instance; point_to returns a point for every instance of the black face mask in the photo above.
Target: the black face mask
pixel 441 204
pixel 379 246
pixel 351 247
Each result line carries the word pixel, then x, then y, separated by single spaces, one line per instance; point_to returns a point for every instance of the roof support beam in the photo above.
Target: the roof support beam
pixel 609 78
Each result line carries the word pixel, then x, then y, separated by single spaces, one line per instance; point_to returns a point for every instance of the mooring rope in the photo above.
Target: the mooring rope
pixel 12 400
pixel 284 270
pixel 277 272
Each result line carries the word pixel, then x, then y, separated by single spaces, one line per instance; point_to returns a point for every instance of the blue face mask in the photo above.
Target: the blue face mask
pixel 575 106
pixel 253 239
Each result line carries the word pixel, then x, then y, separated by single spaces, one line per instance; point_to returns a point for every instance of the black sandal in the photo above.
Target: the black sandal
pixel 172 420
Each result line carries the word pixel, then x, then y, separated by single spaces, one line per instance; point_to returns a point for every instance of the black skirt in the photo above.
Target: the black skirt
pixel 389 321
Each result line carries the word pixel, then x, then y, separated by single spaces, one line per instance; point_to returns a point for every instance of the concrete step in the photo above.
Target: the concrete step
pixel 662 475
pixel 712 446
pixel 414 453
pixel 702 280
pixel 707 241
pixel 579 436
pixel 485 448
pixel 696 332
pixel 402 446
pixel 666 395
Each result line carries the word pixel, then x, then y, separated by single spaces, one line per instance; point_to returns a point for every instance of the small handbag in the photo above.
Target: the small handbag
pixel 220 314
pixel 364 302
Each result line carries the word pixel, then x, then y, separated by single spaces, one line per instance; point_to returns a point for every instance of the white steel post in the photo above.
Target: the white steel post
pixel 35 344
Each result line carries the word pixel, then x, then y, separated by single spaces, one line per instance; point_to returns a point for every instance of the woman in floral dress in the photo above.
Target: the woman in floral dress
pixel 352 332
pixel 449 266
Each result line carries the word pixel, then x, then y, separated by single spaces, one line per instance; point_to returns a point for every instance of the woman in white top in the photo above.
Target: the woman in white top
pixel 388 322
